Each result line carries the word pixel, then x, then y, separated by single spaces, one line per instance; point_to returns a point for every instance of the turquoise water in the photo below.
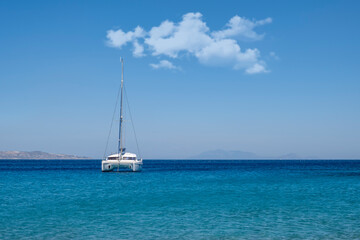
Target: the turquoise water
pixel 181 199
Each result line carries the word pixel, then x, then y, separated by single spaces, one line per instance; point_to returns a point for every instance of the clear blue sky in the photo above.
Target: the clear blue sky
pixel 59 78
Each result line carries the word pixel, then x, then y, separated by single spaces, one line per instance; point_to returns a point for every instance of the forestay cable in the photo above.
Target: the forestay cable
pixel 132 122
pixel 112 121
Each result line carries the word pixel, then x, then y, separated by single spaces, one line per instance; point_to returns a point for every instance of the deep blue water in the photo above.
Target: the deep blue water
pixel 65 199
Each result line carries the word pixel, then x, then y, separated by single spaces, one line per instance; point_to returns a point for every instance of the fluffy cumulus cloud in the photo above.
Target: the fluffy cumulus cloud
pixel 241 28
pixel 119 38
pixel 191 36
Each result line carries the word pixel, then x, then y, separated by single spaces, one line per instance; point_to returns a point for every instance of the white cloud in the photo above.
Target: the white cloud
pixel 241 28
pixel 256 68
pixel 164 30
pixel 119 38
pixel 169 39
pixel 191 36
pixel 163 64
pixel 227 52
pixel 138 49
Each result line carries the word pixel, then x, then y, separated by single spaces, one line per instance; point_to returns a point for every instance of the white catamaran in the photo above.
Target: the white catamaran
pixel 121 159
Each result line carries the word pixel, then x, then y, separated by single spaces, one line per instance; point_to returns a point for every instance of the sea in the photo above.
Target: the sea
pixel 180 199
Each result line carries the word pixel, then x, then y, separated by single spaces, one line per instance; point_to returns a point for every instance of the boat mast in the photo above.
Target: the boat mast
pixel 120 147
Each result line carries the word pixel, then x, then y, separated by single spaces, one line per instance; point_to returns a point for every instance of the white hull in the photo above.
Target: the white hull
pixel 110 165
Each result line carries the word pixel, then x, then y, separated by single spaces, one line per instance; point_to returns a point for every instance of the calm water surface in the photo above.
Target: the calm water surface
pixel 63 199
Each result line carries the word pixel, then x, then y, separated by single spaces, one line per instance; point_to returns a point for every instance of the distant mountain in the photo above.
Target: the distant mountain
pixel 223 154
pixel 35 155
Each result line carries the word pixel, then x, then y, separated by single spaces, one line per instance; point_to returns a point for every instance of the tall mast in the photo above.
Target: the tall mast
pixel 120 147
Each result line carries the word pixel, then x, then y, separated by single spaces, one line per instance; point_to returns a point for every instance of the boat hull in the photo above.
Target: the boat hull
pixel 110 165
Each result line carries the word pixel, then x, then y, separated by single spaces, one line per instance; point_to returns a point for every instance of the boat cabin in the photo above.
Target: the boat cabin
pixel 124 156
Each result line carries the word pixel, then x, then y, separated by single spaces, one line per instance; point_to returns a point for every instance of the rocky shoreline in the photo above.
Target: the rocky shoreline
pixel 36 155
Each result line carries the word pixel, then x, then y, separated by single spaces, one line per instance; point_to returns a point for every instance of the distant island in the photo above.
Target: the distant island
pixel 36 155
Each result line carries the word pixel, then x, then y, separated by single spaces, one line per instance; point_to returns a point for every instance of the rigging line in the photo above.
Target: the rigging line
pixel 124 127
pixel 112 121
pixel 132 122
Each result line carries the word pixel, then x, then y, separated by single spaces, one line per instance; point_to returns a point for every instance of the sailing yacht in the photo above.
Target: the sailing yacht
pixel 121 159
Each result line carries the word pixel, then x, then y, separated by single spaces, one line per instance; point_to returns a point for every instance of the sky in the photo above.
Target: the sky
pixel 268 77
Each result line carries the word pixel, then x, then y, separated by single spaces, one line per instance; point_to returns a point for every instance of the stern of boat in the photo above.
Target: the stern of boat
pixel 136 166
pixel 106 166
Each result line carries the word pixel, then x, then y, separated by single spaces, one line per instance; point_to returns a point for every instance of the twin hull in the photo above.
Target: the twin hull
pixel 110 165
